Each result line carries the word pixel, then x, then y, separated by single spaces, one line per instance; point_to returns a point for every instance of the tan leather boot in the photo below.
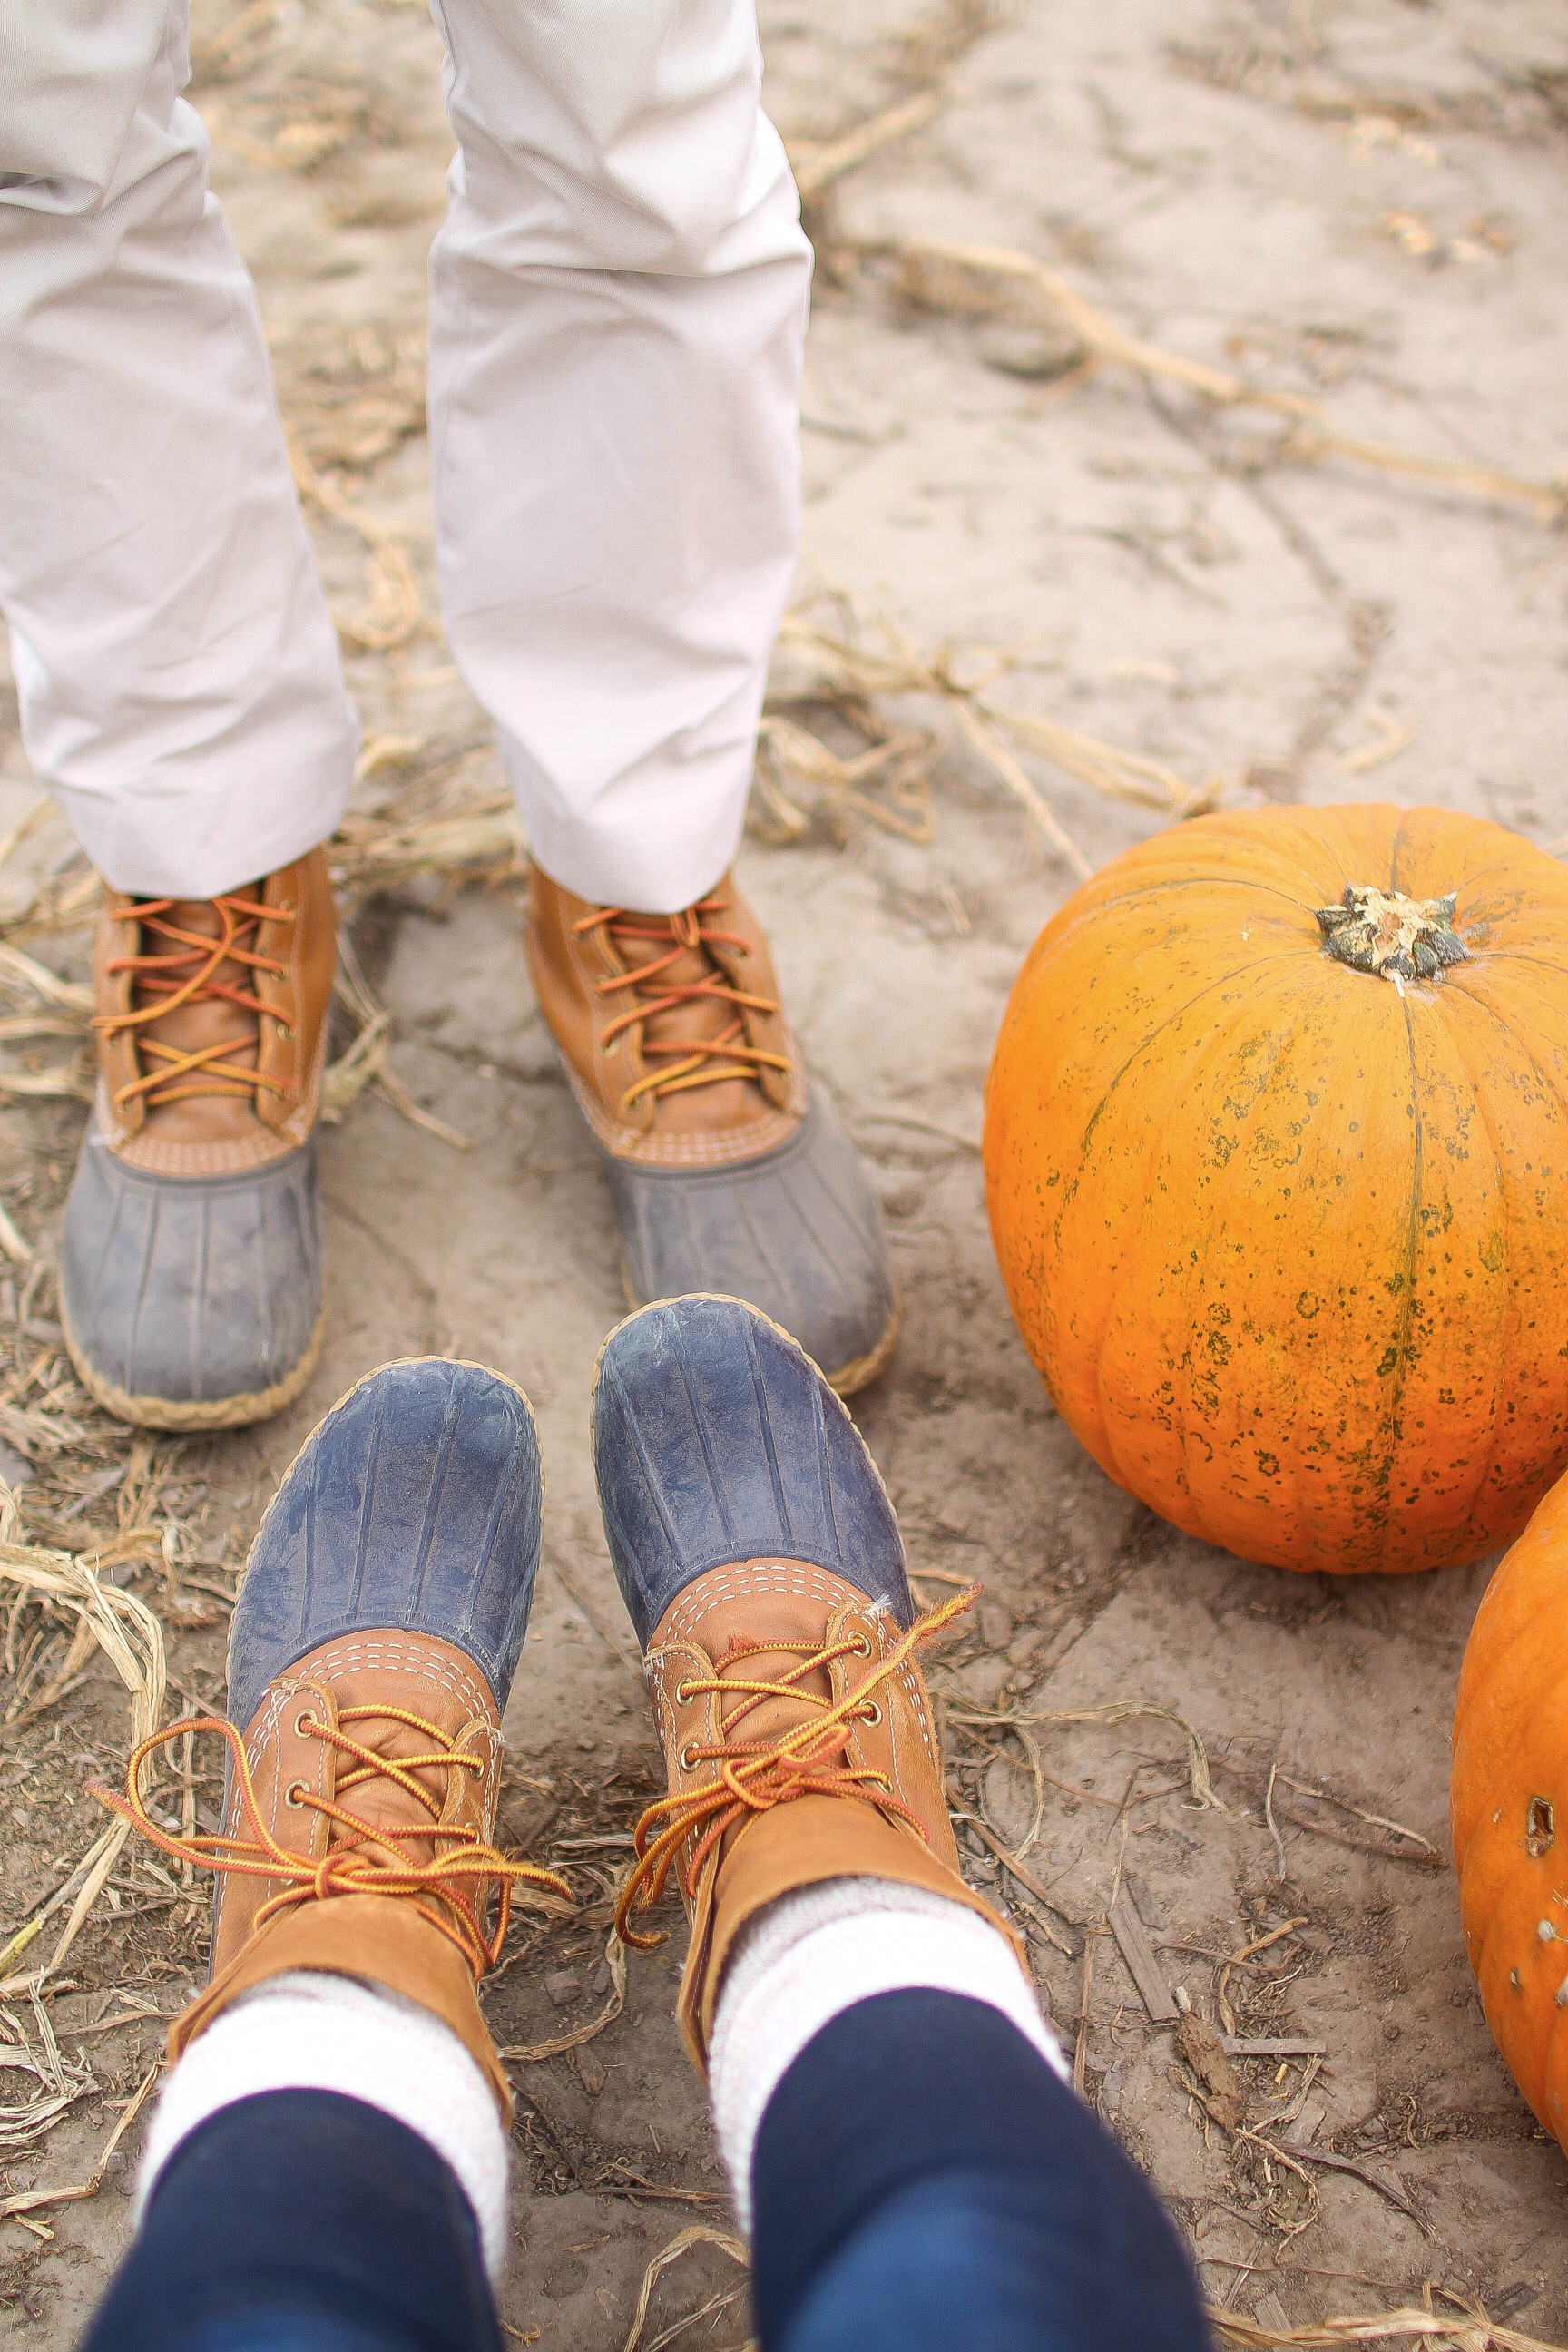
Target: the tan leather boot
pixel 798 1738
pixel 191 1268
pixel 370 1653
pixel 757 1550
pixel 728 1171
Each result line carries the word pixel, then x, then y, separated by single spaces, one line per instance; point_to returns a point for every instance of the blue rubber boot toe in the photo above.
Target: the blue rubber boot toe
pixel 716 1439
pixel 758 1553
pixel 414 1507
pixel 371 1655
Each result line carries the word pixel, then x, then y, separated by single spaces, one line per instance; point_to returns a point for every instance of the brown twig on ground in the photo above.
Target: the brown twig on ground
pixel 1430 1854
pixel 1269 1819
pixel 1384 2185
pixel 1292 2164
pixel 833 651
pixel 1360 1844
pixel 1027 1880
pixel 1246 1952
pixel 1080 2041
pixel 532 2054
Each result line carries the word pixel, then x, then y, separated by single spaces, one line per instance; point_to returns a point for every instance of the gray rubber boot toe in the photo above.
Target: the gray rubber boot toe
pixel 797 1234
pixel 191 1302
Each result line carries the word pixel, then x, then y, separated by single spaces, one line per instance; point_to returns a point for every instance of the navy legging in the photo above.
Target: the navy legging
pixel 922 2182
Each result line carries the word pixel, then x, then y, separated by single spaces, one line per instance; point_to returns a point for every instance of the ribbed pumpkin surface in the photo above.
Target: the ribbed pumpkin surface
pixel 1508 1804
pixel 1288 1238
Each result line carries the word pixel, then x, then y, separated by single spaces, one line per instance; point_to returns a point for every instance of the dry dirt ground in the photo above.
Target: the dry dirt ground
pixel 1363 203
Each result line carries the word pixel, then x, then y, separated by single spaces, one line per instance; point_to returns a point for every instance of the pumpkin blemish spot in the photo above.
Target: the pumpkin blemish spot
pixel 1538 1828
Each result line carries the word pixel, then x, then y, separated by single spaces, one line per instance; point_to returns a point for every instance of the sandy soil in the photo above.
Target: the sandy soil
pixel 1360 202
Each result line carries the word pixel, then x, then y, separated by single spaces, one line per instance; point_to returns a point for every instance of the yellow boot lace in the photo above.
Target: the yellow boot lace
pixel 362 1857
pixel 652 991
pixel 753 1776
pixel 183 970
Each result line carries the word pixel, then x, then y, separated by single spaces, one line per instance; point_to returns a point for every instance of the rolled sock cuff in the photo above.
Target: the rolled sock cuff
pixel 814 1954
pixel 314 2032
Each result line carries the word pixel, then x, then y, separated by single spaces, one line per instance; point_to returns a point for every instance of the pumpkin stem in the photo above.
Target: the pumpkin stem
pixel 1384 932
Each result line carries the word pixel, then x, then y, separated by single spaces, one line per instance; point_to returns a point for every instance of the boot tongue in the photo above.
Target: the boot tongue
pixel 381 1804
pixel 218 1112
pixel 704 1109
pixel 770 1720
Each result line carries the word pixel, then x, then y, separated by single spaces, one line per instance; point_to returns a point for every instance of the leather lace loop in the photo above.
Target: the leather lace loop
pixel 183 970
pixel 650 991
pixel 463 1860
pixel 753 1776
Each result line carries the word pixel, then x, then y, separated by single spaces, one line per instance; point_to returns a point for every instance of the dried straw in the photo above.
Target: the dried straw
pixel 924 264
pixel 697 2234
pixel 131 1637
pixel 1126 1710
pixel 532 2054
pixel 60 2083
pixel 28 2200
pixel 817 162
pixel 1470 2330
pixel 1473 2333
pixel 453 820
pixel 834 652
pixel 394 612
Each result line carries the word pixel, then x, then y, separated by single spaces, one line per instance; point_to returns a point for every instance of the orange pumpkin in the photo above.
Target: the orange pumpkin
pixel 1277 1160
pixel 1509 1806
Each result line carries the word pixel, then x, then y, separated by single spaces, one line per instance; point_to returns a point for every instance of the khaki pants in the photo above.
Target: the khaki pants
pixel 618 301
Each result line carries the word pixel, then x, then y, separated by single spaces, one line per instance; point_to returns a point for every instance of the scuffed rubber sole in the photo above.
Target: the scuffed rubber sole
pixel 857 1373
pixel 197 1413
pixel 861 1370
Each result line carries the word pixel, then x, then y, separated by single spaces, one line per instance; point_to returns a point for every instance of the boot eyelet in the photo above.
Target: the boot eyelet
pixel 303 1722
pixel 682 1694
pixel 872 1714
pixel 862 1644
pixel 688 1760
pixel 293 1795
pixel 284 1033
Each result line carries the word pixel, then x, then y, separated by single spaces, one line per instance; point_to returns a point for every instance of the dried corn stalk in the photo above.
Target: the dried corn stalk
pixel 393 613
pixel 1472 2332
pixel 973 280
pixel 129 1634
pixel 60 2083
pixel 834 654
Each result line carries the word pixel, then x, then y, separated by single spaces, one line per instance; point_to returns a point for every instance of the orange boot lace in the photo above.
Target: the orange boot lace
pixel 680 974
pixel 362 1857
pixel 186 968
pixel 753 1776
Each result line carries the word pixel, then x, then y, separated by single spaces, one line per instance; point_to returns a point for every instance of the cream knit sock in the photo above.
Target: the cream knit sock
pixel 313 2031
pixel 816 1952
